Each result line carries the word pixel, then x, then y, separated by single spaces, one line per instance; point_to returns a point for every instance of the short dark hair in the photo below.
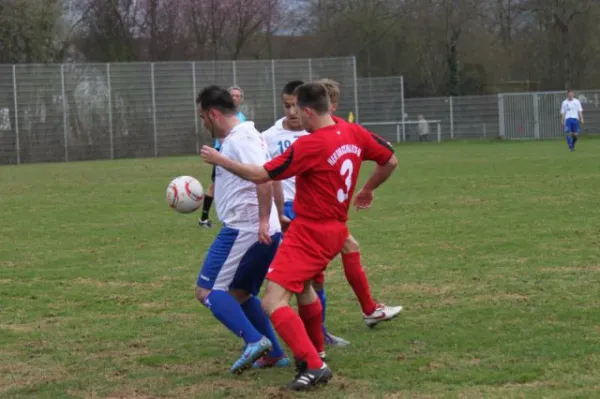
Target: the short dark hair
pixel 289 88
pixel 313 95
pixel 218 98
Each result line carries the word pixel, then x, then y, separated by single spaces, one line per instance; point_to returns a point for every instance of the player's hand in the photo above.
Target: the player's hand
pixel 209 154
pixel 263 233
pixel 285 222
pixel 363 199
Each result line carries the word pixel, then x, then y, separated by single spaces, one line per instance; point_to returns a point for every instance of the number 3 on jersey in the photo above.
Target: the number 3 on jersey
pixel 346 171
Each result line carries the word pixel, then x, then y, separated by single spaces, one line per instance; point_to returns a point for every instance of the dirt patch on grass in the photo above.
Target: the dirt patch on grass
pixel 17 374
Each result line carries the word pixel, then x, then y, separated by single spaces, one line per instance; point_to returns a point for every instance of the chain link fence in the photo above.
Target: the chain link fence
pixel 75 112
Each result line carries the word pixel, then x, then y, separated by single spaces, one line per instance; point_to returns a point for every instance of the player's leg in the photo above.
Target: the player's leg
pixel 290 327
pixel 576 128
pixel 299 258
pixel 212 290
pixel 250 277
pixel 568 134
pixel 373 313
pixel 310 310
pixel 319 287
pixel 204 221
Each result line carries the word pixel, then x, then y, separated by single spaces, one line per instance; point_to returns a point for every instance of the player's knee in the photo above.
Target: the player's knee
pixel 275 297
pixel 211 190
pixel 350 245
pixel 202 294
pixel 240 295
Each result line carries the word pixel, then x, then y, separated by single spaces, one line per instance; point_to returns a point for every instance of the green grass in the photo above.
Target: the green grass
pixel 493 249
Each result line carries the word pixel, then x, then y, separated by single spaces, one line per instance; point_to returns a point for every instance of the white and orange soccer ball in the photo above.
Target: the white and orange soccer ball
pixel 185 194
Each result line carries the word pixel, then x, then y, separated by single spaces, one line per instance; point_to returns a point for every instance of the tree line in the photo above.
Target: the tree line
pixel 441 47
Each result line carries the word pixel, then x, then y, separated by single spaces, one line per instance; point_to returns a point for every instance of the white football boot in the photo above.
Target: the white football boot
pixel 381 313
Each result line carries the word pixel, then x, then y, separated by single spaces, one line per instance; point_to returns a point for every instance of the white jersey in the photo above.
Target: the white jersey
pixel 278 139
pixel 571 109
pixel 236 199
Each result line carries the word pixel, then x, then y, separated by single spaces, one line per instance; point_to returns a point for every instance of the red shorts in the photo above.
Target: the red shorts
pixel 305 252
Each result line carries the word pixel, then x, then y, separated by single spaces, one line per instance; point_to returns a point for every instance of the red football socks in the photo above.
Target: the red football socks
pixel 357 279
pixel 312 316
pixel 290 328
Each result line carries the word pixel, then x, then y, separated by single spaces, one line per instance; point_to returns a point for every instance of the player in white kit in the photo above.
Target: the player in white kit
pixel 571 118
pixel 237 262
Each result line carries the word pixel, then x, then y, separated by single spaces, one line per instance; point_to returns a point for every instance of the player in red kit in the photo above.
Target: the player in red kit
pixel 326 164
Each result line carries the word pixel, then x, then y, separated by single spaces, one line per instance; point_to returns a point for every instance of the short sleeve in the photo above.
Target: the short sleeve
pixel 375 148
pixel 297 159
pixel 580 108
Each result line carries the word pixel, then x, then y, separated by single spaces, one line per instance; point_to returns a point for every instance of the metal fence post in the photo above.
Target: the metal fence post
pixel 16 113
pixel 536 116
pixel 402 110
pixel 154 110
pixel 274 88
pixel 64 103
pixel 110 115
pixel 310 70
pixel 451 102
pixel 233 68
pixel 194 89
pixel 501 125
pixel 356 117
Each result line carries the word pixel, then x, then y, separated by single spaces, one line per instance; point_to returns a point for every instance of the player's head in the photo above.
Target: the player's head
pixel 237 94
pixel 333 91
pixel 570 94
pixel 312 103
pixel 289 105
pixel 215 106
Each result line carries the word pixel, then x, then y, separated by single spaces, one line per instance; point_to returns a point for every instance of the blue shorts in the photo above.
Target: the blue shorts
pixel 236 260
pixel 288 210
pixel 572 125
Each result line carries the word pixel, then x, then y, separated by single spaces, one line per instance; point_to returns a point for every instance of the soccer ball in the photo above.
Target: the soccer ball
pixel 185 194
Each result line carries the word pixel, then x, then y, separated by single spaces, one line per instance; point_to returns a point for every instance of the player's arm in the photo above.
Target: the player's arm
pixel 562 113
pixel 254 173
pixel 278 197
pixel 378 150
pixel 264 192
pixel 580 112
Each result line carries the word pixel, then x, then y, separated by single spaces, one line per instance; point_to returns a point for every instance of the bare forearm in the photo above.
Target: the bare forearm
pixel 381 174
pixel 253 173
pixel 264 193
pixel 278 196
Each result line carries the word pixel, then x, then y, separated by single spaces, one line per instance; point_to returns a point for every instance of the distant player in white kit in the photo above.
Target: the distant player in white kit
pixel 571 118
pixel 237 262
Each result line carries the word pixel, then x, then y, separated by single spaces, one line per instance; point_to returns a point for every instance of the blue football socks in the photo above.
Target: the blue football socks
pixel 229 312
pixel 570 141
pixel 257 316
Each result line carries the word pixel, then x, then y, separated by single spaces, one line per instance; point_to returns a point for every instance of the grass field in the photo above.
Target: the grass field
pixel 493 249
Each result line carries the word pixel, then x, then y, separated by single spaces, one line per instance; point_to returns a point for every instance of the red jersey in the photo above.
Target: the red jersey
pixel 326 164
pixel 337 119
